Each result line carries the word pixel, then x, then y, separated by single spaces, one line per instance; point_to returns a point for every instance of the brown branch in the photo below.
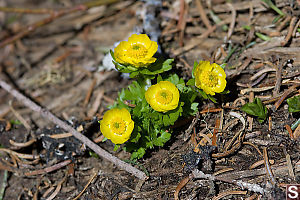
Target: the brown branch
pixel 278 80
pixel 249 186
pixel 48 169
pixel 54 15
pixel 290 31
pixel 203 14
pixel 48 115
pixel 27 10
pixel 285 94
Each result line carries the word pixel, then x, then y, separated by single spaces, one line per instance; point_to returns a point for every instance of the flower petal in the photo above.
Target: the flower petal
pixel 210 77
pixel 138 51
pixel 114 116
pixel 155 103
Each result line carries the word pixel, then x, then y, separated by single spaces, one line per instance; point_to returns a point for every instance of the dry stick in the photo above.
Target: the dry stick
pixel 233 19
pixel 295 28
pixel 268 167
pixel 203 14
pixel 54 16
pixel 191 46
pixel 278 80
pixel 242 67
pixel 182 20
pixel 226 193
pixel 182 183
pixel 249 186
pixel 250 119
pixel 89 93
pixel 27 10
pixel 290 32
pixel 285 94
pixel 34 26
pixel 21 145
pixel 48 115
pixel 86 186
pixel 48 169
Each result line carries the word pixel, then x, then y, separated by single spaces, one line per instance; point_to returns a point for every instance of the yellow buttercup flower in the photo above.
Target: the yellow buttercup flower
pixel 137 51
pixel 210 77
pixel 163 96
pixel 117 125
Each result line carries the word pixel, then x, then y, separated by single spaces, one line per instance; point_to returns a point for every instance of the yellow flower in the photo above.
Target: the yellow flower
pixel 117 125
pixel 137 51
pixel 163 96
pixel 210 77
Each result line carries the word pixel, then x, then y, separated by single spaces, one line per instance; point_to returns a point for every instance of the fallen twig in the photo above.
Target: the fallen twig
pixel 54 16
pixel 226 193
pixel 48 169
pixel 249 186
pixel 278 80
pixel 48 115
pixel 285 94
pixel 203 14
pixel 22 145
pixel 27 10
pixel 268 168
pixel 85 187
pixel 232 23
pixel 182 183
pixel 290 31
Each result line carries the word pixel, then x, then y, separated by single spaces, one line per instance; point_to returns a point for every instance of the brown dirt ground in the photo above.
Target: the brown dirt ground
pixel 57 64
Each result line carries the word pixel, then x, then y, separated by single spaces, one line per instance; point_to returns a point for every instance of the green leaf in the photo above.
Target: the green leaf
pixel 223 65
pixel 194 67
pixel 256 108
pixel 294 104
pixel 225 92
pixel 158 67
pixel 93 154
pixel 191 82
pixel 112 54
pixel 202 93
pixel 116 147
pixel 212 98
pixel 194 108
pixel 166 120
pixel 262 36
pixel 135 136
pixel 138 154
pixel 159 79
pixel 178 82
pixel 15 122
pixel 162 139
pixel 134 92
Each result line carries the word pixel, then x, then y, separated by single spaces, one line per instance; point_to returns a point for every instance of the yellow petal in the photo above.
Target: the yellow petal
pixel 218 70
pixel 155 101
pixel 140 39
pixel 221 85
pixel 152 49
pixel 112 116
pixel 127 54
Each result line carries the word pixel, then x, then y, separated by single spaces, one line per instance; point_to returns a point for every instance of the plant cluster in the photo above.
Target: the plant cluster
pixel 144 113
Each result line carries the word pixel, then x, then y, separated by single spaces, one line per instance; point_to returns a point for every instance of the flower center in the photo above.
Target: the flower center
pixel 137 51
pixel 164 96
pixel 118 126
pixel 209 78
